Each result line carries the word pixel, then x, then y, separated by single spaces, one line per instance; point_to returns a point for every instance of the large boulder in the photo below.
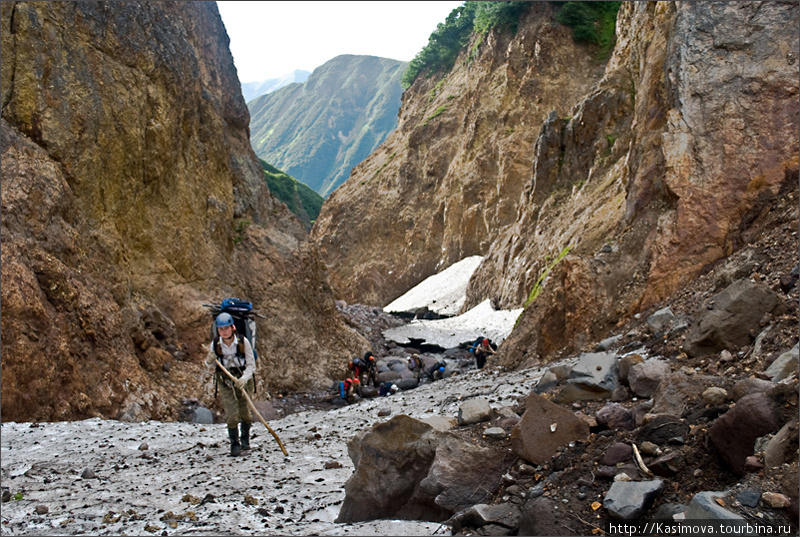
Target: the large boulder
pixel 595 376
pixel 406 469
pixel 728 318
pixel 734 433
pixel 544 428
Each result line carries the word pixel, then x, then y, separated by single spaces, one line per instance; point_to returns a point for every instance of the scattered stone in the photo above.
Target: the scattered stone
pixel 630 500
pixel 775 500
pixel 784 365
pixel 475 410
pixel 608 343
pixel 625 363
pixel 715 396
pixel 645 377
pixel 617 453
pixel 649 448
pixel 667 511
pixel 782 448
pixel 734 433
pixel 495 432
pixel 143 446
pixel 330 465
pixel 616 417
pixel 202 415
pixel 547 381
pixel 729 316
pixel 384 412
pixel 661 429
pixel 88 473
pixel 660 320
pixel 441 423
pixel 42 509
pixel 749 497
pixel 705 506
pixel 666 465
pixel 748 386
pixel 753 465
pixel 506 515
pixel 594 377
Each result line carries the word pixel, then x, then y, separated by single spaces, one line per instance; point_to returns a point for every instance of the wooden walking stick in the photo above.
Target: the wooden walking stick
pixel 253 408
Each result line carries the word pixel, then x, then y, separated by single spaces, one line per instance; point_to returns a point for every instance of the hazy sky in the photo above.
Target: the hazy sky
pixel 272 38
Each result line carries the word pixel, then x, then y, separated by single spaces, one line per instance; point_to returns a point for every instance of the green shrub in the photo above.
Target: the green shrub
pixel 591 22
pixel 539 285
pixel 301 199
pixel 444 44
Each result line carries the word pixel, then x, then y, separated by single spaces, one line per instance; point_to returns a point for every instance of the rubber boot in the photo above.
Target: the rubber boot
pixel 245 435
pixel 236 447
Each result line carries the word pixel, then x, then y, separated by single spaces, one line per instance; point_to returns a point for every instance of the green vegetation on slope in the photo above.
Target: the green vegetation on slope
pixel 299 198
pixel 592 22
pixel 319 130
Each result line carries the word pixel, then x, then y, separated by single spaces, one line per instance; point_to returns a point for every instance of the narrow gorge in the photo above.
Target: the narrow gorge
pixel 638 205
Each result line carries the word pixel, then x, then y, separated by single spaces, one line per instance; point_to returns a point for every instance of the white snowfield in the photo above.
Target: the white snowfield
pixel 445 293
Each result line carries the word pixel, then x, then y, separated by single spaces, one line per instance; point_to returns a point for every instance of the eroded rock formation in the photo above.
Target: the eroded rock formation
pixel 130 197
pixel 591 198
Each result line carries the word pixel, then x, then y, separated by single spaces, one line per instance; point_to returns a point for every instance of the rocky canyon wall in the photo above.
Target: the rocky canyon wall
pixel 594 191
pixel 131 197
pixel 700 101
pixel 451 176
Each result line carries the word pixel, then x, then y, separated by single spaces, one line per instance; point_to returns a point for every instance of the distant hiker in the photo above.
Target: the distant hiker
pixel 436 371
pixel 349 388
pixel 387 388
pixel 355 368
pixel 371 365
pixel 236 355
pixel 416 365
pixel 482 351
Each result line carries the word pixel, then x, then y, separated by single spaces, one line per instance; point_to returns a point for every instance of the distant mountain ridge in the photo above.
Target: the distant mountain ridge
pixel 251 90
pixel 319 130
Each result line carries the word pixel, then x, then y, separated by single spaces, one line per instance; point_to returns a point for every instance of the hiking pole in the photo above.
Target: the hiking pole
pixel 253 408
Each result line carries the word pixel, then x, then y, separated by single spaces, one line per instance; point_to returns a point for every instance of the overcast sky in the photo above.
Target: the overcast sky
pixel 272 38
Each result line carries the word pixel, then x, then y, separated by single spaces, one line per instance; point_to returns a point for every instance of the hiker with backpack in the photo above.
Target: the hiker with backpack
pixel 235 354
pixel 417 366
pixel 436 371
pixel 371 365
pixel 482 351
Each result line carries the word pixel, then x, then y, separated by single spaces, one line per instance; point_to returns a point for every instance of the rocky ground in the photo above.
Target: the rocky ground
pixel 104 477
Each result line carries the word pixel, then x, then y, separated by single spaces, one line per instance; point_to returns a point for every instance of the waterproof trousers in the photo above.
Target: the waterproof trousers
pixel 235 403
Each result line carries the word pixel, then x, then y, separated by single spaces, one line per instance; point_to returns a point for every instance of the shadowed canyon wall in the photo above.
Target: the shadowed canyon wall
pixel 131 197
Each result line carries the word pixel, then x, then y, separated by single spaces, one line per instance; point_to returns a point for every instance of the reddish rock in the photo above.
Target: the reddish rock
pixel 734 433
pixel 544 428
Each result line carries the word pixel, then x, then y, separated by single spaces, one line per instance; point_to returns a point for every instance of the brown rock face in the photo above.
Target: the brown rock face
pixel 698 107
pixel 450 177
pixel 130 197
pixel 642 177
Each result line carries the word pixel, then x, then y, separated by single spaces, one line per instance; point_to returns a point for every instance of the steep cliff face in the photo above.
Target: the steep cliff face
pixel 130 197
pixel 451 176
pixel 591 198
pixel 702 102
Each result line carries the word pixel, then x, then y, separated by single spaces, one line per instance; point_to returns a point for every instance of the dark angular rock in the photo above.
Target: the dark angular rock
pixel 734 433
pixel 630 500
